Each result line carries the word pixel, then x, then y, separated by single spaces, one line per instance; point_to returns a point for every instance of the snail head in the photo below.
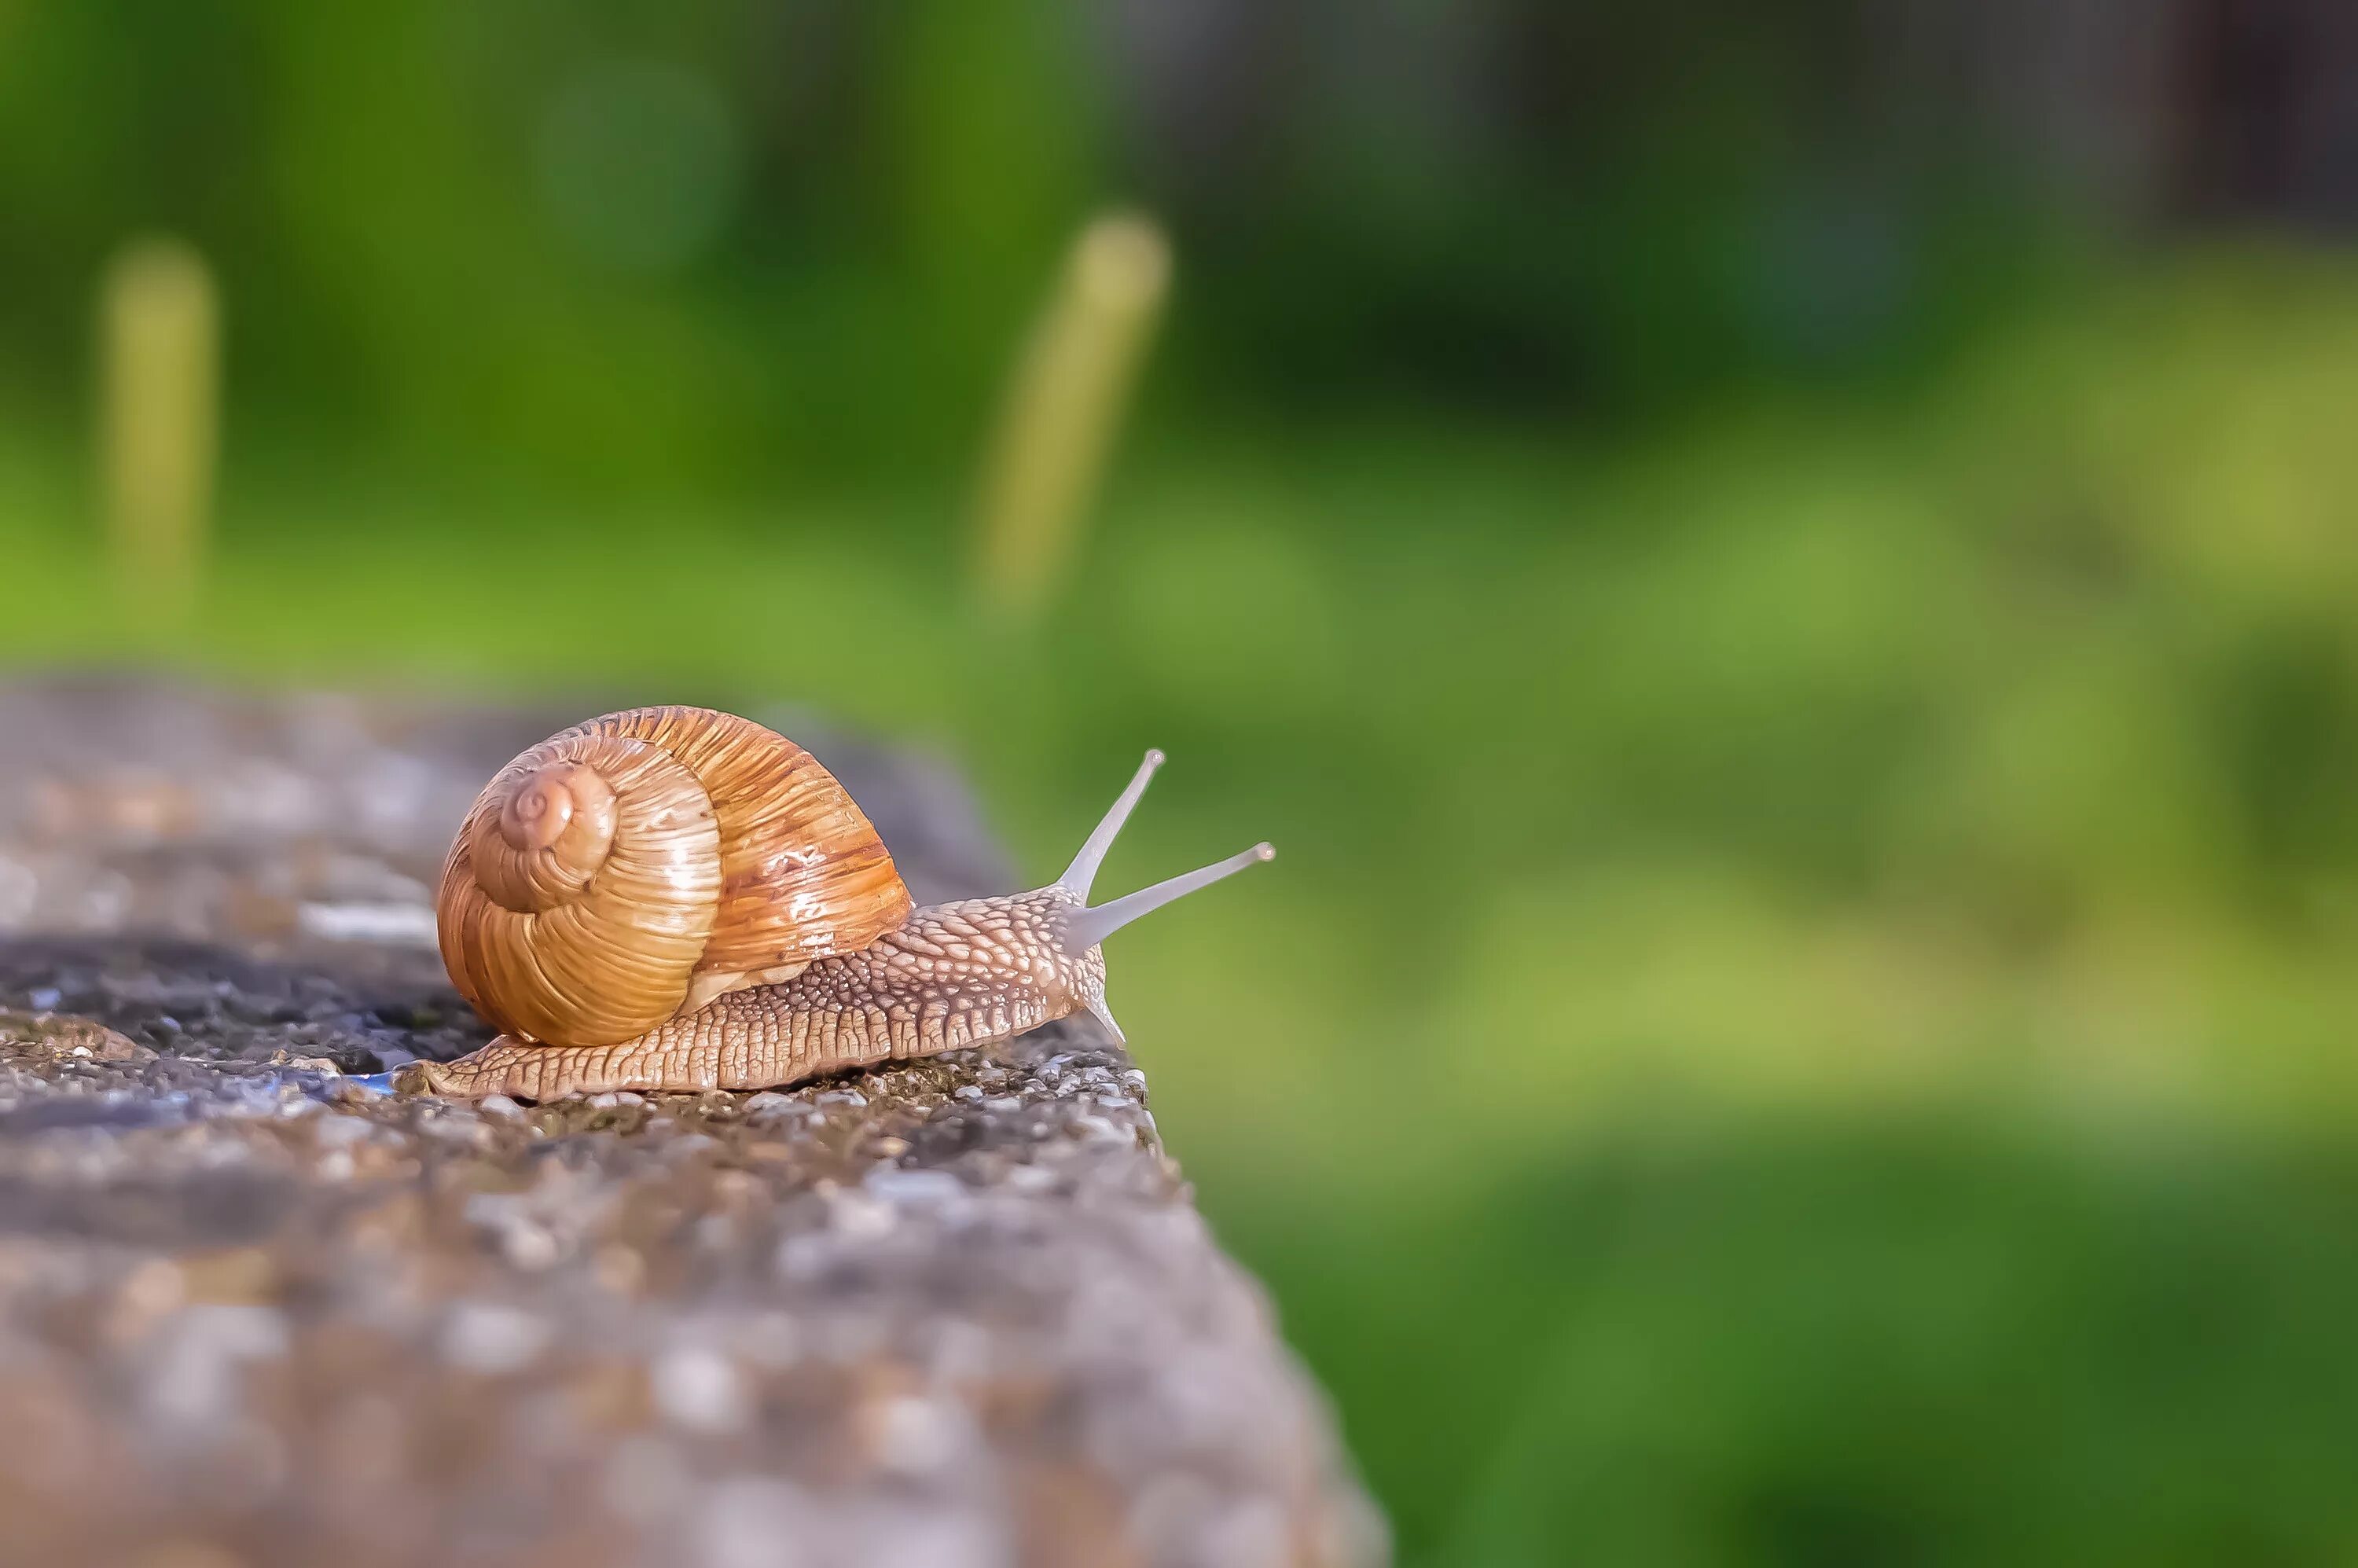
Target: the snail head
pixel 1080 926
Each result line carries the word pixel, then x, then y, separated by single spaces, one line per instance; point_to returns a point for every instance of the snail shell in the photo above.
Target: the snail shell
pixel 636 866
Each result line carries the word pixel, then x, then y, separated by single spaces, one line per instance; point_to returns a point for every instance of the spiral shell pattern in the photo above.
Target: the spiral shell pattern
pixel 647 860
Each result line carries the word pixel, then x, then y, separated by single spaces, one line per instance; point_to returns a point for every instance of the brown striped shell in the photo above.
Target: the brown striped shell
pixel 638 865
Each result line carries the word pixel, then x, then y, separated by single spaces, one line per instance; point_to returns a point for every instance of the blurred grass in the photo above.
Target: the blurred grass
pixel 1804 1014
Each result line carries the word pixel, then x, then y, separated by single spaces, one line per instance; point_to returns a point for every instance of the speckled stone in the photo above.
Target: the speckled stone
pixel 959 1312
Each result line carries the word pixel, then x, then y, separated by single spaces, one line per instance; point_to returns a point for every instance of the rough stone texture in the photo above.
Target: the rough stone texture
pixel 954 1313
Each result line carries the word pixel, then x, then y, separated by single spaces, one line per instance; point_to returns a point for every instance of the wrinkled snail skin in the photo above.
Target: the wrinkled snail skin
pixel 673 900
pixel 956 976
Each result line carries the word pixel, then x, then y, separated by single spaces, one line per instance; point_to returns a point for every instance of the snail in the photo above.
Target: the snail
pixel 674 899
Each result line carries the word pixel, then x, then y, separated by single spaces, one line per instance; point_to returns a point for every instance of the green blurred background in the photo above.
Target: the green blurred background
pixel 1785 576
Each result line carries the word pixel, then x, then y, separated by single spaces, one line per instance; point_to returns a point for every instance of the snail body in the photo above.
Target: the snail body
pixel 676 898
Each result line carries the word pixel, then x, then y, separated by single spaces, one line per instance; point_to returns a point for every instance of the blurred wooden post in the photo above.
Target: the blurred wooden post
pixel 1065 404
pixel 159 390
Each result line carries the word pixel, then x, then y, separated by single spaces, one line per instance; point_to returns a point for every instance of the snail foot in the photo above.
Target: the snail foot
pixel 407 1079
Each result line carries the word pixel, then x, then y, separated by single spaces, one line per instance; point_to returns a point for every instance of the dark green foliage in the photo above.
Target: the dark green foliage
pixel 715 244
pixel 1940 1341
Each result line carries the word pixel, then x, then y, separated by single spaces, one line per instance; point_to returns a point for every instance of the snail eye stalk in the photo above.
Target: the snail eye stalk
pixel 1083 869
pixel 1085 928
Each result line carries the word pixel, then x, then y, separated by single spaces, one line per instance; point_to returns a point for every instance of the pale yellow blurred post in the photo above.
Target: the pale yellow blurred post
pixel 1065 405
pixel 159 390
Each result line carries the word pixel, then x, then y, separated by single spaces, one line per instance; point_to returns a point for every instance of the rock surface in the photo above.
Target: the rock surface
pixel 958 1312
